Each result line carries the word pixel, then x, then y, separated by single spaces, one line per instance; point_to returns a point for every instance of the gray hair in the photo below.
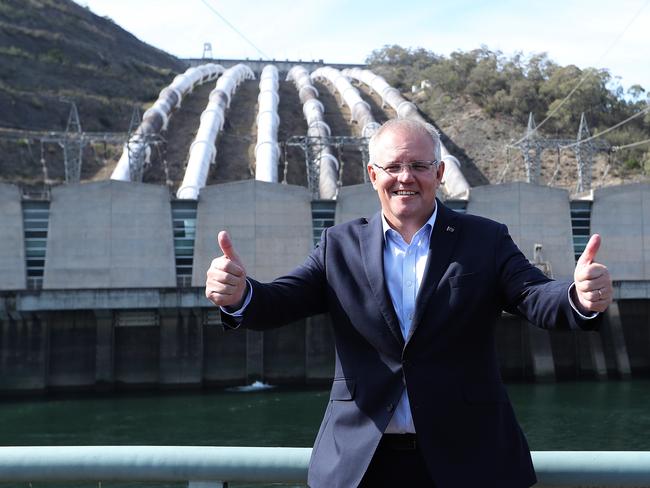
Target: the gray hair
pixel 409 125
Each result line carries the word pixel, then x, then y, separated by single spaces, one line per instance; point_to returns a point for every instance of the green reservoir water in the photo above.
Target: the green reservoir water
pixel 562 416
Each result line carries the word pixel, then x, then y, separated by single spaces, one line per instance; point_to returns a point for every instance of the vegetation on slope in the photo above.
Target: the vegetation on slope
pixel 512 87
pixel 52 51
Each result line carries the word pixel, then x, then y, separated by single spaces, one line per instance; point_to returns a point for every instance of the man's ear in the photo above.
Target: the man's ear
pixel 372 174
pixel 440 170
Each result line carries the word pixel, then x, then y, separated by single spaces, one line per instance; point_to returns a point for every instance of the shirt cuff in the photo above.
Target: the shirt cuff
pixel 575 309
pixel 242 309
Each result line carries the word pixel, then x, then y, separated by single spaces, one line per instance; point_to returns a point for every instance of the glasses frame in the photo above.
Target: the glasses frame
pixel 432 163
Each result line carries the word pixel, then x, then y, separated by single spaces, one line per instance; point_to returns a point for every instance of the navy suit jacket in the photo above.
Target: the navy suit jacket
pixel 464 422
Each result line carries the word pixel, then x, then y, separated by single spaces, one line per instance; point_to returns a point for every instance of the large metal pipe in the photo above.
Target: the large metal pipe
pixel 156 118
pixel 455 183
pixel 203 150
pixel 359 109
pixel 267 151
pixel 313 112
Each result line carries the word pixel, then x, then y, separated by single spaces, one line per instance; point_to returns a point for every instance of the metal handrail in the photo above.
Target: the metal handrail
pixel 274 464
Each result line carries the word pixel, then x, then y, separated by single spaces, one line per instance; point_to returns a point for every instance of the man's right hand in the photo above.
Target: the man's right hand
pixel 226 278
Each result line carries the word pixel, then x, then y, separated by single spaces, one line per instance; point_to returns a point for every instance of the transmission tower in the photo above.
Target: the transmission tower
pixel 532 162
pixel 72 145
pixel 313 147
pixel 585 156
pixel 136 117
pixel 532 146
pixel 72 141
pixel 207 51
pixel 136 147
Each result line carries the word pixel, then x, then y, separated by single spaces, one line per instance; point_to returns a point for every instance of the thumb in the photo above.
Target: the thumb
pixel 589 254
pixel 226 246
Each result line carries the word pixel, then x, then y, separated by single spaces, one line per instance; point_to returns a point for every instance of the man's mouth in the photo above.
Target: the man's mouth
pixel 404 193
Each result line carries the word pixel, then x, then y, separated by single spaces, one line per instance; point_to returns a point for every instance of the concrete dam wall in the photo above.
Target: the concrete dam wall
pixel 101 284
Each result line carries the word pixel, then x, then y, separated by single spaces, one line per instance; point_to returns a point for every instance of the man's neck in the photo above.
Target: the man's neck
pixel 409 228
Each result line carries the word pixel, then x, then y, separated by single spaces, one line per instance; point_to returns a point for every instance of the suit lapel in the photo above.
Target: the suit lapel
pixel 441 246
pixel 372 254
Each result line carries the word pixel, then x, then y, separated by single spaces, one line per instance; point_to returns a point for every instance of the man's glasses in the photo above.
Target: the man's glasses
pixel 418 167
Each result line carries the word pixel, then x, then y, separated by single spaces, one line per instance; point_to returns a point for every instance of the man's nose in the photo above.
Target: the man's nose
pixel 406 173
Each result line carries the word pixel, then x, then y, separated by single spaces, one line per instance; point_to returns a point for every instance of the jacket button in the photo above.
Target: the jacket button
pixel 390 407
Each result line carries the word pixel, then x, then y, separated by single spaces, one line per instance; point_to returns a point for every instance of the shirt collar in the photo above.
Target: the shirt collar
pixel 432 220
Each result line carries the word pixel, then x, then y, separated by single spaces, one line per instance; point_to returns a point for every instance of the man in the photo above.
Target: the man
pixel 414 295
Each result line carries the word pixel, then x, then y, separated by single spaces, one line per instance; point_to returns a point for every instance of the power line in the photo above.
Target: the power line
pixel 582 141
pixel 589 72
pixel 618 148
pixel 237 31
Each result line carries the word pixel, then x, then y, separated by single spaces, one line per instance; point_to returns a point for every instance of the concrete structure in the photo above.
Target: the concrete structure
pixel 356 201
pixel 12 247
pixel 110 315
pixel 270 226
pixel 534 214
pixel 538 215
pixel 110 234
pixel 627 248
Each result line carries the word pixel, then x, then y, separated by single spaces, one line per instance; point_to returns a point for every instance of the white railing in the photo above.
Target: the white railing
pixel 213 466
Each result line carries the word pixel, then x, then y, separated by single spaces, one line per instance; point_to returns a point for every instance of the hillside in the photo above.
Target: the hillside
pixel 52 51
pixel 481 100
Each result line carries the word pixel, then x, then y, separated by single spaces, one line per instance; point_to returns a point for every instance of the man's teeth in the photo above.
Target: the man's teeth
pixel 405 193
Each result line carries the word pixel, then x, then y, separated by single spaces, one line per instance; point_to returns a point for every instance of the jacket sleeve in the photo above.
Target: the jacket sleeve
pixel 299 294
pixel 529 293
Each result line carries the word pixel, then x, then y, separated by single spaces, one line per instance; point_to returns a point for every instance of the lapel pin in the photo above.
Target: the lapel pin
pixel 450 228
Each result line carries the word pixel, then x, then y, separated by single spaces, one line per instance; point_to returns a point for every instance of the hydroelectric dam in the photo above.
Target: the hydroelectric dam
pixel 101 282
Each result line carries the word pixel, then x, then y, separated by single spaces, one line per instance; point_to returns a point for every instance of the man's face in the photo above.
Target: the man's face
pixel 408 199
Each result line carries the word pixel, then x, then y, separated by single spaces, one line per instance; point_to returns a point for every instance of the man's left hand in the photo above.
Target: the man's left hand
pixel 593 285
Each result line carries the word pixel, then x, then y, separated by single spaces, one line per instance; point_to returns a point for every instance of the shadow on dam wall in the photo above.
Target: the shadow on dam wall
pixel 188 348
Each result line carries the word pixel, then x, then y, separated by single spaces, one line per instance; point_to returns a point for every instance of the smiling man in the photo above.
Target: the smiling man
pixel 414 294
pixel 412 172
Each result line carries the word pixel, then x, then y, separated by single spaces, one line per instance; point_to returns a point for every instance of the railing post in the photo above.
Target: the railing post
pixel 207 484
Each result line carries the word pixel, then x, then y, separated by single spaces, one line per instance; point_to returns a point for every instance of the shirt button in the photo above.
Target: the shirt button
pixel 410 316
pixel 409 283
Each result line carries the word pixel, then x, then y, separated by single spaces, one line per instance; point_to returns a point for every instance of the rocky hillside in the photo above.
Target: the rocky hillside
pixel 55 51
pixel 52 51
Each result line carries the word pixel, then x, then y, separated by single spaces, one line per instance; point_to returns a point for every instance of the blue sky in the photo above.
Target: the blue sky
pixel 598 33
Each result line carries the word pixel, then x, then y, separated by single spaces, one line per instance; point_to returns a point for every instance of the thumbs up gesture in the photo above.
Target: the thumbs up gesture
pixel 226 278
pixel 593 285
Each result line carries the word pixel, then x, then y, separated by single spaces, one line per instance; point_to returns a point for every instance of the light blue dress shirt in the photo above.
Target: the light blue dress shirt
pixel 404 266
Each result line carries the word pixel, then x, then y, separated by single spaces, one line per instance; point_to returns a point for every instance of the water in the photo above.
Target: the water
pixel 561 416
pixel 272 417
pixel 607 416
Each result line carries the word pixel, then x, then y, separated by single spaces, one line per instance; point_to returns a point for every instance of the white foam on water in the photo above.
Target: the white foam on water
pixel 255 386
